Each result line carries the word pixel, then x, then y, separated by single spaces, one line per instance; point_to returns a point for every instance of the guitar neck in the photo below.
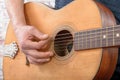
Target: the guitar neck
pixel 97 38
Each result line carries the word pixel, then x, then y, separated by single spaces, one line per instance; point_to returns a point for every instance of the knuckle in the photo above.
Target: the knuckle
pixel 42 43
pixel 38 47
pixel 31 28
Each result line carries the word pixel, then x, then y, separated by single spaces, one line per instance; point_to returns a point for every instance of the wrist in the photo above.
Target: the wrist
pixel 17 26
pixel 18 23
pixel 20 31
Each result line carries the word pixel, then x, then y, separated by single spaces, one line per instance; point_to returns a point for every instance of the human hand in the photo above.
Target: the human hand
pixel 33 44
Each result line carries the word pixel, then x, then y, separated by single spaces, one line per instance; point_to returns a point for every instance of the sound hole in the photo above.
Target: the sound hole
pixel 63 43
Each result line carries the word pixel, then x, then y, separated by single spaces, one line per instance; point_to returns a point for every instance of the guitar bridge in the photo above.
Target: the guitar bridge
pixel 9 50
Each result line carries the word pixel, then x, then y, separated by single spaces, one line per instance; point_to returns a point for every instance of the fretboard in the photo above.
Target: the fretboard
pixel 97 38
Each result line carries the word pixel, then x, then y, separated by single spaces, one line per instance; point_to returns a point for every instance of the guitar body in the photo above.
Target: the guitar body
pixel 77 16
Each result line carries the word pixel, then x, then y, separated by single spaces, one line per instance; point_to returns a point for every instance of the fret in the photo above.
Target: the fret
pixel 78 41
pixel 93 38
pixel 88 39
pixel 98 38
pixel 104 37
pixel 80 44
pixel 110 36
pixel 117 36
pixel 84 45
pixel 76 44
pixel 113 35
pixel 107 36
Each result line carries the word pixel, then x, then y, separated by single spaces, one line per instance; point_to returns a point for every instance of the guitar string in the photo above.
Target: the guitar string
pixel 64 43
pixel 83 48
pixel 95 38
pixel 92 33
pixel 99 32
pixel 82 39
pixel 88 43
pixel 117 26
pixel 85 35
pixel 77 36
pixel 84 42
pixel 86 46
pixel 80 48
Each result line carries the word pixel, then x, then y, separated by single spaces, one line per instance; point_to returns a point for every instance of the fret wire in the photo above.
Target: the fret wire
pixel 80 43
pixel 113 35
pixel 106 37
pixel 86 39
pixel 79 39
pixel 88 45
pixel 76 38
pixel 101 39
pixel 117 40
pixel 83 39
pixel 95 40
pixel 90 39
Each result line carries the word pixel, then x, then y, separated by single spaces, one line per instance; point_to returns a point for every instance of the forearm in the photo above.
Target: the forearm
pixel 15 10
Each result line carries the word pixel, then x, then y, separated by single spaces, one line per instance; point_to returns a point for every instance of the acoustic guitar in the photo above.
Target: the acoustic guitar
pixel 85 43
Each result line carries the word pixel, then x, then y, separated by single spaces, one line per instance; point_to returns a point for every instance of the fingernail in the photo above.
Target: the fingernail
pixel 47 59
pixel 51 54
pixel 45 35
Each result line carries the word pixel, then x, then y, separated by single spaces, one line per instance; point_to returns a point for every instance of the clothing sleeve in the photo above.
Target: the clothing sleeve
pixel 61 3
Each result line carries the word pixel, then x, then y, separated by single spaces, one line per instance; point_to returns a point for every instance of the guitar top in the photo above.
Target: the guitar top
pixel 78 55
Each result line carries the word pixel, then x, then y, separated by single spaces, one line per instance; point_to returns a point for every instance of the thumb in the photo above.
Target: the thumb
pixel 44 36
pixel 39 34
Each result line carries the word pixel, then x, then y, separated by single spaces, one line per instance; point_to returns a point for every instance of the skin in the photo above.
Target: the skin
pixel 32 42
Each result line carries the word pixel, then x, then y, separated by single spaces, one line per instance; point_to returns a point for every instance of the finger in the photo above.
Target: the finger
pixel 33 60
pixel 39 34
pixel 37 54
pixel 28 44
